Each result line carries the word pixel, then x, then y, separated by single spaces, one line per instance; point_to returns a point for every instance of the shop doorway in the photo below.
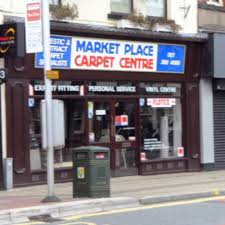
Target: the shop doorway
pixel 113 124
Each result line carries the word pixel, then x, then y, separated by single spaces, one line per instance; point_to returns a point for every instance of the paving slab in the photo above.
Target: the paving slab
pixel 18 204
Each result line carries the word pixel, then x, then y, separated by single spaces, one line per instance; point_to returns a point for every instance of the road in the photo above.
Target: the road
pixel 192 212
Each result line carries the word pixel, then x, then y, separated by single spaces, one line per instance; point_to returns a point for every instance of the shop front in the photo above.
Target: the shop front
pixel 137 95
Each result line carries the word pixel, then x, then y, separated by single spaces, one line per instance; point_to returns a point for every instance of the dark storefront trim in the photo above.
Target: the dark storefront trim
pixel 22 71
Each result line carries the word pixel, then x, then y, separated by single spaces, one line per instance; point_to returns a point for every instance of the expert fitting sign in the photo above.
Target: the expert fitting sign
pixel 102 54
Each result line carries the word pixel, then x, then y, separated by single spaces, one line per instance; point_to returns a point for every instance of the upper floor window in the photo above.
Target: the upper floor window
pixel 54 2
pixel 121 6
pixel 215 2
pixel 156 8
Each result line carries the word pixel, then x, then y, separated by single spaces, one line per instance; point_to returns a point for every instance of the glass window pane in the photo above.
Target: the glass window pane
pixel 35 136
pixel 125 158
pixel 161 128
pixel 99 121
pixel 155 8
pixel 54 2
pixel 121 6
pixel 74 135
pixel 125 121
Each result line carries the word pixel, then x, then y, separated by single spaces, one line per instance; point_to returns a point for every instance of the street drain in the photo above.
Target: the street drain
pixel 44 218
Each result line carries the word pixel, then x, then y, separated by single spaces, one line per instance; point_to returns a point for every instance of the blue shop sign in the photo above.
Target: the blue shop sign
pixel 60 47
pixel 170 58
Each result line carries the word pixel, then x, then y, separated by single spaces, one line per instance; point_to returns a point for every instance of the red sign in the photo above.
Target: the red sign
pixel 143 156
pixel 121 120
pixel 161 102
pixel 180 152
pixel 99 155
pixel 33 12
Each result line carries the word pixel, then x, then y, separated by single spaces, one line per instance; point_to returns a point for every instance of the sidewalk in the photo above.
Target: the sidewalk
pixel 19 203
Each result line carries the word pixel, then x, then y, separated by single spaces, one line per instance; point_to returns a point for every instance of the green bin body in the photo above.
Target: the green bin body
pixel 91 172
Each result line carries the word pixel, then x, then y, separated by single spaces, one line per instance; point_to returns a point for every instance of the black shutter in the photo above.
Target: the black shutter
pixel 219 129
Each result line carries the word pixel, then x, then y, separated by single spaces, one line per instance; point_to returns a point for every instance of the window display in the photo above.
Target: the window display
pixel 99 122
pixel 75 135
pixel 161 127
pixel 125 121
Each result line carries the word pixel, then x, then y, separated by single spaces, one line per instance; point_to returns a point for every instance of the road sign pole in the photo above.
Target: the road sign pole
pixel 48 103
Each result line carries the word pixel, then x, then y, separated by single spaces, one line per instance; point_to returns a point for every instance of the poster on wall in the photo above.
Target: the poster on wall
pixel 102 54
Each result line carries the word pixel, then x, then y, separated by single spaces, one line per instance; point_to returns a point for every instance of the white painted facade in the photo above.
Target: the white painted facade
pixel 183 12
pixel 11 7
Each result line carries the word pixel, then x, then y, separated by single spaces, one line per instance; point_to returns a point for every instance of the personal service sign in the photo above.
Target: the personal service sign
pixel 102 54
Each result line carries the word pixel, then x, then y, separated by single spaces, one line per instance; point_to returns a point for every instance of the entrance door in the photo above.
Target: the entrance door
pixel 113 124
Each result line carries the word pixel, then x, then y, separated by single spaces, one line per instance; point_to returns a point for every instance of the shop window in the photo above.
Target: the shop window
pixel 161 128
pixel 156 8
pixel 125 158
pixel 74 134
pixel 99 122
pixel 35 135
pixel 121 6
pixel 125 121
pixel 76 118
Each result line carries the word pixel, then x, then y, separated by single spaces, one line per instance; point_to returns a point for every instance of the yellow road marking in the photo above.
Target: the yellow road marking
pixel 31 223
pixel 216 192
pixel 139 208
pixel 80 223
pixel 154 206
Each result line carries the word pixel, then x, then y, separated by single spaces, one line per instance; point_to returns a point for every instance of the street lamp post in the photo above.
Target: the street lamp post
pixel 48 103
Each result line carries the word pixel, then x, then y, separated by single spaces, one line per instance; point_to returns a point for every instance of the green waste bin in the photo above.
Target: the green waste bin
pixel 91 172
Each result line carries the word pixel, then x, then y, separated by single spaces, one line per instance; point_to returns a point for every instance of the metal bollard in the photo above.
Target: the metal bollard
pixel 8 173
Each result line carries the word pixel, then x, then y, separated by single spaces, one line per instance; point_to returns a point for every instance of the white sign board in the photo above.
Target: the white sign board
pixel 58 121
pixel 33 26
pixel 100 112
pixel 161 102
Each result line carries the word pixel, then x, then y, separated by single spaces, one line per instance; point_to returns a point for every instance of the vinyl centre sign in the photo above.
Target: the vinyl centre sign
pixel 103 54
